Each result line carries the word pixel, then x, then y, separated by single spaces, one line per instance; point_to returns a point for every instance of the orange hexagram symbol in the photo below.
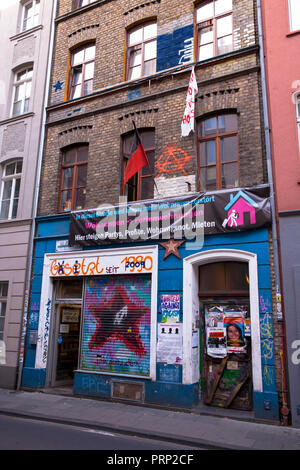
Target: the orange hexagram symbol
pixel 172 160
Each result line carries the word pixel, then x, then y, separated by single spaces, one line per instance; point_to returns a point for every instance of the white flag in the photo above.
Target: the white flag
pixel 187 124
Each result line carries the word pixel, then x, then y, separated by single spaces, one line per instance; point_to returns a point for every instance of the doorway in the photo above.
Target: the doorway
pixel 66 332
pixel 225 335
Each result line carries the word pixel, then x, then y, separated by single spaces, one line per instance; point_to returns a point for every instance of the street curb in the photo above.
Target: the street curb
pixel 124 430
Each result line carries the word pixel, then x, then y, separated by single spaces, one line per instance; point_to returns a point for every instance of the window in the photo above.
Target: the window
pixel 3 301
pixel 223 278
pixel 141 50
pixel 31 11
pixel 214 28
pixel 10 190
pixel 73 179
pixel 218 152
pixel 141 185
pixel 82 3
pixel 82 71
pixel 22 91
pixel 294 10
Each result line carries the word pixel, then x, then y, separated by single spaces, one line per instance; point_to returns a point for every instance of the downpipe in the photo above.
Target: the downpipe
pixel 284 411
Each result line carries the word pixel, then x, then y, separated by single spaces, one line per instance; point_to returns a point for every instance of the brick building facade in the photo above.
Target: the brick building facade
pixel 220 40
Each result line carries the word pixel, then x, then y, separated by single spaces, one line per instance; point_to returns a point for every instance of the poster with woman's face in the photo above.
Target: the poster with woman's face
pixel 234 325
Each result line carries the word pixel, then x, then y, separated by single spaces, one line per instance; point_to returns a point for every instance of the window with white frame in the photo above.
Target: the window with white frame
pixel 10 190
pixel 31 12
pixel 82 3
pixel 141 50
pixel 22 91
pixel 214 28
pixel 3 302
pixel 294 12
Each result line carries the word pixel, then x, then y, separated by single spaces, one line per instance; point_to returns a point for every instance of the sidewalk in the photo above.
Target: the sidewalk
pixel 185 427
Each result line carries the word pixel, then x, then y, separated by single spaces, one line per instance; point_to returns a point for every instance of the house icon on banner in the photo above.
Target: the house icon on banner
pixel 238 206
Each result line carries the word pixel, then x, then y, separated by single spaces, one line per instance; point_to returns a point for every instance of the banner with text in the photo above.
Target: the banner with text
pixel 225 211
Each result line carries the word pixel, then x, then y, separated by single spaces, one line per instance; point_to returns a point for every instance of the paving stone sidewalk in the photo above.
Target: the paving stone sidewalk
pixel 188 428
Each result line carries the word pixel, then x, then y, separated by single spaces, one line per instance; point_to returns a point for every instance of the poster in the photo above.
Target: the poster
pixel 170 308
pixel 226 329
pixel 169 345
pixel 234 324
pixel 216 342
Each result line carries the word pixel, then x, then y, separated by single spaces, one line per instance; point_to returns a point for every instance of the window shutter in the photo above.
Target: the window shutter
pixel 116 325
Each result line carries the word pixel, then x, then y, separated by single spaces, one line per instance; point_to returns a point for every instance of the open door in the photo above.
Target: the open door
pixel 67 344
pixel 65 332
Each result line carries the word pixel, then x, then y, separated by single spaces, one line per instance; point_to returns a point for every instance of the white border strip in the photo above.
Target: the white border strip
pixel 190 295
pixel 47 295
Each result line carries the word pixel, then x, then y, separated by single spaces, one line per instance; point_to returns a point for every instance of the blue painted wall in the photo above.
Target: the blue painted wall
pixel 51 229
pixel 170 48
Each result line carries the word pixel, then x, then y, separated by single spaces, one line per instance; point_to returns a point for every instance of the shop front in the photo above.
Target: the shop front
pixel 172 321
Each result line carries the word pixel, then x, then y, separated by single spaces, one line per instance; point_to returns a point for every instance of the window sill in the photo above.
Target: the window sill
pixel 16 221
pixel 20 117
pixel 293 33
pixel 26 32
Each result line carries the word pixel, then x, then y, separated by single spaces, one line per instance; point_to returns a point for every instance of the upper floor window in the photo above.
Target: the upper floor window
pixel 294 11
pixel 73 179
pixel 82 71
pixel 10 190
pixel 141 185
pixel 141 50
pixel 3 301
pixel 22 91
pixel 214 28
pixel 82 3
pixel 218 166
pixel 31 12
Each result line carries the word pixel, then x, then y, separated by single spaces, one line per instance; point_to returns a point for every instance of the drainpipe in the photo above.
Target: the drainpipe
pixel 283 356
pixel 35 201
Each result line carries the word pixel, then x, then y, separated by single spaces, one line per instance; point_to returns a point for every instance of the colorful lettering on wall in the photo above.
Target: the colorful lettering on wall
pixel 116 326
pixel 93 266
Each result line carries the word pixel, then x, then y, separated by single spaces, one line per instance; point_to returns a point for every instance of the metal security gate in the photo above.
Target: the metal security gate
pixel 116 325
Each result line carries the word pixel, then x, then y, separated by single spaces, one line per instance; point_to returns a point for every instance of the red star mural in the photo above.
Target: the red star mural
pixel 119 318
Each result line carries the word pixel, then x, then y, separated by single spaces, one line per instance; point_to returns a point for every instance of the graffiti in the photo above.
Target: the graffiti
pixel 186 54
pixel 116 328
pixel 173 160
pixel 267 349
pixel 265 305
pixel 268 376
pixel 266 326
pixel 58 86
pixel 46 331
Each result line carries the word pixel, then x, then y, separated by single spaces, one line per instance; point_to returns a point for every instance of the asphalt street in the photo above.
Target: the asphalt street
pixel 28 434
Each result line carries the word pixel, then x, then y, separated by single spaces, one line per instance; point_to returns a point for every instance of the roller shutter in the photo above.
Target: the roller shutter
pixel 116 324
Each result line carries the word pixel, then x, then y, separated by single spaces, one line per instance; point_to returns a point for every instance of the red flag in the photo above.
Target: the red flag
pixel 138 158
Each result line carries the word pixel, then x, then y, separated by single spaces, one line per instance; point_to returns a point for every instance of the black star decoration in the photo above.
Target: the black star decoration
pixel 171 247
pixel 58 86
pixel 119 318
